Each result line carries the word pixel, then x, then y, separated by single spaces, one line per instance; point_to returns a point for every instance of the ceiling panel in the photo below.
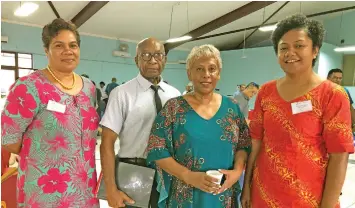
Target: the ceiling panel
pixel 137 20
pixel 44 13
pixel 68 10
pixel 153 18
pixel 44 10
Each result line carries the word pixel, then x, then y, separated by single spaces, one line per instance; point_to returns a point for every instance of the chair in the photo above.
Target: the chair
pixel 5 157
pixel 8 183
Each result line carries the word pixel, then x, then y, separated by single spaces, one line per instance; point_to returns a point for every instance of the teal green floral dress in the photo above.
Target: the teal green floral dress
pixel 200 145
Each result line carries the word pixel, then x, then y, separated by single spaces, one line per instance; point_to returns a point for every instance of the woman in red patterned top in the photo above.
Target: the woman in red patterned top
pixel 301 128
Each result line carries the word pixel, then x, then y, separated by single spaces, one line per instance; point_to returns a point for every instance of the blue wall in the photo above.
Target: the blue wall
pixel 334 33
pixel 96 56
pixel 260 64
pixel 329 59
pixel 352 93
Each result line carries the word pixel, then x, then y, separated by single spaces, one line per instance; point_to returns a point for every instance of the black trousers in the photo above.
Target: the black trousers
pixel 154 197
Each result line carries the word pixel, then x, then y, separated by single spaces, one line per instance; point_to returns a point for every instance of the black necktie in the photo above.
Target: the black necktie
pixel 158 105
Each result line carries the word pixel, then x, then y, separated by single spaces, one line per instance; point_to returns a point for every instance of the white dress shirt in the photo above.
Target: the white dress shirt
pixel 103 93
pixel 130 113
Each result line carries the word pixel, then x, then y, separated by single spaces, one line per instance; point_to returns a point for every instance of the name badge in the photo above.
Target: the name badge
pixel 56 107
pixel 300 107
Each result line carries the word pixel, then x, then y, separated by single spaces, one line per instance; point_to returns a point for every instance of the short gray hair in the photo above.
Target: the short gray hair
pixel 208 51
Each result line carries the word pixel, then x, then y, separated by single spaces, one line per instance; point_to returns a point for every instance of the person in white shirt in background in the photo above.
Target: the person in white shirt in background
pixel 104 98
pixel 104 95
pixel 129 115
pixel 240 89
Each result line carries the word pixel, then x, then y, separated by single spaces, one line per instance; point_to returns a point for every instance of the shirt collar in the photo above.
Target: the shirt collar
pixel 145 84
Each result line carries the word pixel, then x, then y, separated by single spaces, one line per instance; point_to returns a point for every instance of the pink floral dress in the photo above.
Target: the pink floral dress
pixel 57 165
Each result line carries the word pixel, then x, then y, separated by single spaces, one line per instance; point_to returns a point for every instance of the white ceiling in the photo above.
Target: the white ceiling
pixel 132 20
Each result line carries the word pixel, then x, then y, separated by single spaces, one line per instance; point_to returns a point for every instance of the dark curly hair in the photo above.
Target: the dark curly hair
pixel 52 29
pixel 314 29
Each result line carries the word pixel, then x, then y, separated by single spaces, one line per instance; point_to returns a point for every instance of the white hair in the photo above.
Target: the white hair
pixel 198 52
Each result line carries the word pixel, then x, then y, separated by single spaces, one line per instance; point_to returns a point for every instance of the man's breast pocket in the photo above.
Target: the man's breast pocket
pixel 134 116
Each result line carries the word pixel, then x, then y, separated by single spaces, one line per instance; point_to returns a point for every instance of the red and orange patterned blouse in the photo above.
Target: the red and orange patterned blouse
pixel 291 166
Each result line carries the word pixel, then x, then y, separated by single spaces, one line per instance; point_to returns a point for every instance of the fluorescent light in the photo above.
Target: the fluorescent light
pixel 345 49
pixel 173 40
pixel 26 9
pixel 268 28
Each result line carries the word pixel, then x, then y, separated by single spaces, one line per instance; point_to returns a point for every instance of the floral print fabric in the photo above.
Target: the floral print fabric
pixel 57 165
pixel 200 145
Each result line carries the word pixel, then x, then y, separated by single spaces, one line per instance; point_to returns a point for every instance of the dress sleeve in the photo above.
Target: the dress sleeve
pixel 244 140
pixel 257 118
pixel 160 136
pixel 21 107
pixel 160 146
pixel 337 123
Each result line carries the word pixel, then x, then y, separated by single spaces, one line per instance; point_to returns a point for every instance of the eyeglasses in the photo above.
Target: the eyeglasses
pixel 148 56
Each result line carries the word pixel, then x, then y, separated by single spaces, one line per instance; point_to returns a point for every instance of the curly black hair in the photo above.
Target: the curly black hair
pixel 52 29
pixel 314 29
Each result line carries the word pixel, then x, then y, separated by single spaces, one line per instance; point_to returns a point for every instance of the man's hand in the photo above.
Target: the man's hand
pixel 117 198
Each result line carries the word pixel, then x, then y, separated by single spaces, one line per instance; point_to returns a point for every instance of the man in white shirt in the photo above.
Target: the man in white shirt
pixel 103 89
pixel 130 113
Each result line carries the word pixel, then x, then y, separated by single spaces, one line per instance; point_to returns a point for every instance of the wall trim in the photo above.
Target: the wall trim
pixel 82 33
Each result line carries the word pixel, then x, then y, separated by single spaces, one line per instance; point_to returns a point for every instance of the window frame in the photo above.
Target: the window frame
pixel 16 67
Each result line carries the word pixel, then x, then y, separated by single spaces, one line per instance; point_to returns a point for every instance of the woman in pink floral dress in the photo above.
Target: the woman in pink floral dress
pixel 50 121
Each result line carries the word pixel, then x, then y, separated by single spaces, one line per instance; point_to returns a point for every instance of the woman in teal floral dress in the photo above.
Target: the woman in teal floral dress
pixel 197 132
pixel 50 121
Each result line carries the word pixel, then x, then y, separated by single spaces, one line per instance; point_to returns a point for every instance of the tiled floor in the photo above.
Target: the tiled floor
pixel 347 200
pixel 103 203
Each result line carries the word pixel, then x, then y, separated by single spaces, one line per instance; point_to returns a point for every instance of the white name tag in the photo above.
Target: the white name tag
pixel 300 107
pixel 54 106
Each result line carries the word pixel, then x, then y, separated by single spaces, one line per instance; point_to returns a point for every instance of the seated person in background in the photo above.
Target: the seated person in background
pixel 243 98
pixel 195 133
pixel 336 76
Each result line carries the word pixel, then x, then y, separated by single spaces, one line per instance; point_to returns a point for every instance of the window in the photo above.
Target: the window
pixel 13 66
pixel 8 59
